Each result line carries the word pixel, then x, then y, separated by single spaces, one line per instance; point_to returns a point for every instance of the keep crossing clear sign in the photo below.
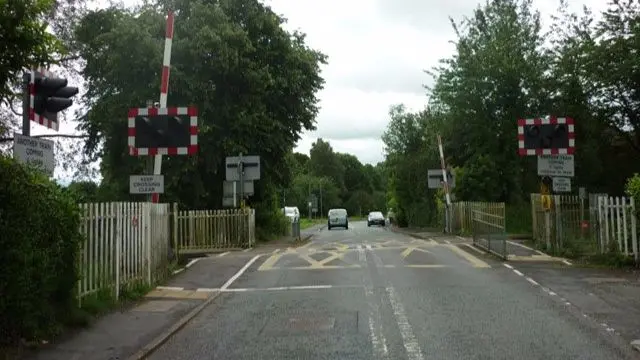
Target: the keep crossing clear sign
pixel 35 152
pixel 146 184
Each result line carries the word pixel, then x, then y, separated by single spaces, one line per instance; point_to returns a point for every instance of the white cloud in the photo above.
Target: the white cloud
pixel 377 52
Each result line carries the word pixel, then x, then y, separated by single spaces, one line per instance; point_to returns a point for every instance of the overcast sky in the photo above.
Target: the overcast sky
pixel 377 52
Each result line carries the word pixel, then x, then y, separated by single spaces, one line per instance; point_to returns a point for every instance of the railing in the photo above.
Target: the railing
pixel 125 243
pixel 462 213
pixel 201 231
pixel 489 232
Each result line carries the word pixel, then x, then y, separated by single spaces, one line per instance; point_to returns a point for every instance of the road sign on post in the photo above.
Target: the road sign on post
pixel 242 169
pixel 34 151
pixel 556 165
pixel 250 167
pixel 546 136
pixel 436 181
pixel 163 131
pixel 146 184
pixel 561 184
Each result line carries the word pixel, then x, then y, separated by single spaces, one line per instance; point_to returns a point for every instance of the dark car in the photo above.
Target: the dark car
pixel 376 218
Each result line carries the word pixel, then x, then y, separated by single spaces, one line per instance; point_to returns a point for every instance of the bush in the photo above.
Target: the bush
pixel 632 187
pixel 40 240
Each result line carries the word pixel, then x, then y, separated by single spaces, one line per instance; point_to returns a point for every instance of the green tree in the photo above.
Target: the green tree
pixel 324 162
pixel 254 84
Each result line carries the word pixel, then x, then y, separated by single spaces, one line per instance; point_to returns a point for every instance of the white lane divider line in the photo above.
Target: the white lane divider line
pixel 567 262
pixel 275 251
pixel 518 272
pixel 408 337
pixel 190 263
pixel 240 272
pixel 552 294
pixel 447 241
pixel 224 253
pixel 376 335
pixel 178 271
pixel 361 255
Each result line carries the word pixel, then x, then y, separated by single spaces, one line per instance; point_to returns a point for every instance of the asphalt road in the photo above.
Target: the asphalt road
pixel 369 293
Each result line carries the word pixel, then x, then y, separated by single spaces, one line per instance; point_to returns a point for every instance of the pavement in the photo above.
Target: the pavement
pixel 369 293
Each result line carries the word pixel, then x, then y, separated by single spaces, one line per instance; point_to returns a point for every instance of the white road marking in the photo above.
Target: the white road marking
pixel 223 254
pixel 240 272
pixel 376 335
pixel 447 241
pixel 286 288
pixel 361 255
pixel 178 271
pixel 190 263
pixel 246 250
pixel 408 337
pixel 526 247
pixel 206 290
pixel 461 238
pixel 518 272
pixel 567 262
pixel 475 249
pixel 169 288
pixel 532 281
pixel 275 251
pixel 508 266
pixel 369 247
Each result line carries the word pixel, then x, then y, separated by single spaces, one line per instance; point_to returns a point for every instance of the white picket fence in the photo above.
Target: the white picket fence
pixel 125 243
pixel 201 231
pixel 617 224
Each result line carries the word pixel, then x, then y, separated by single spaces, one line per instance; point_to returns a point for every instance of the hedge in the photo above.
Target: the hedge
pixel 39 242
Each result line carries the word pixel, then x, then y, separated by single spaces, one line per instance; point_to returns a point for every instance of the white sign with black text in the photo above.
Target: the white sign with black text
pixel 556 165
pixel 35 152
pixel 146 184
pixel 561 184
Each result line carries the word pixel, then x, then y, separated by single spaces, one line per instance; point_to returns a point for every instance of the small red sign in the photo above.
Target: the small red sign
pixel 585 224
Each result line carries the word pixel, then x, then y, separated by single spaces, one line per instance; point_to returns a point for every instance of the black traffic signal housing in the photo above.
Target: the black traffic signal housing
pixel 546 136
pixel 51 95
pixel 162 131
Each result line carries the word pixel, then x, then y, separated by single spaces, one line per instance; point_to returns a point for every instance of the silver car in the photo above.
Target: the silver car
pixel 337 218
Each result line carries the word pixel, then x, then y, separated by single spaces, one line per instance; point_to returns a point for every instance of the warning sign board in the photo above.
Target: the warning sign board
pixel 146 184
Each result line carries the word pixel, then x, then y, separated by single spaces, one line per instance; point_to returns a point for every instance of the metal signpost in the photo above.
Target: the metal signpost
pixel 552 140
pixel 35 152
pixel 242 169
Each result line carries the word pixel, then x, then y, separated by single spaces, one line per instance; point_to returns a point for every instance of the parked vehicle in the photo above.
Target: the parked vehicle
pixel 337 218
pixel 376 218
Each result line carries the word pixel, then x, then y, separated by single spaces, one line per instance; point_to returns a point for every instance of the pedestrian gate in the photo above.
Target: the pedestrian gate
pixel 489 232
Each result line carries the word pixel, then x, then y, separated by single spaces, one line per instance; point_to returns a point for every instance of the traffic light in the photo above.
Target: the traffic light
pixel 546 136
pixel 51 95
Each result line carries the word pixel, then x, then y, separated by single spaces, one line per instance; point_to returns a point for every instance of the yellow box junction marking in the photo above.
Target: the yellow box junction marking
pixel 470 258
pixel 269 264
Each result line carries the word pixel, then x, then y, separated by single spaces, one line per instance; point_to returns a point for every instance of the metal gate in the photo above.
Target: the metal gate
pixel 489 232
